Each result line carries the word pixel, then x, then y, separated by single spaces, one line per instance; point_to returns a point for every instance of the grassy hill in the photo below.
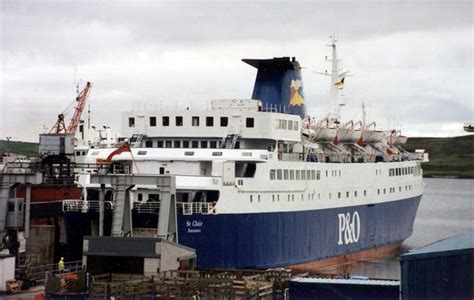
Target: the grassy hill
pixel 448 156
pixel 22 148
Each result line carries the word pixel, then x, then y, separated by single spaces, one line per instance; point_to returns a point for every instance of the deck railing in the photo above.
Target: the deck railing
pixel 85 206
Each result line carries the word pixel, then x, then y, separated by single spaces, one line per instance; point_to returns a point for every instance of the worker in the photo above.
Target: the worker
pixel 61 265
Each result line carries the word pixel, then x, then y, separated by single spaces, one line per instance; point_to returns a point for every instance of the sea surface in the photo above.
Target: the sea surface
pixel 446 209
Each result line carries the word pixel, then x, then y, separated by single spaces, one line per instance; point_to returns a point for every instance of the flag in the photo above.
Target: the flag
pixel 340 83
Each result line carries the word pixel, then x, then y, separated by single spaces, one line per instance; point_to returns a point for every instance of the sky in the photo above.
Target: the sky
pixel 411 61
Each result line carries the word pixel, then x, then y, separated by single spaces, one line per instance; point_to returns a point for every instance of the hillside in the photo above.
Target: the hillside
pixel 448 156
pixel 21 148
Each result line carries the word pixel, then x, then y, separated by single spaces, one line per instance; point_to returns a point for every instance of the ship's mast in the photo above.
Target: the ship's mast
pixel 337 83
pixel 334 92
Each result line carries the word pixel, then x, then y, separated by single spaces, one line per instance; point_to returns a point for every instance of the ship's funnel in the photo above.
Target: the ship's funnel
pixel 279 85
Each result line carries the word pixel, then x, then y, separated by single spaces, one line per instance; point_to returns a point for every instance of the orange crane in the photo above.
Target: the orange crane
pixel 81 99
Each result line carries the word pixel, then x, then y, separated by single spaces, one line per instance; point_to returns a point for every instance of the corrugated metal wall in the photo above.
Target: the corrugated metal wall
pixel 443 277
pixel 305 290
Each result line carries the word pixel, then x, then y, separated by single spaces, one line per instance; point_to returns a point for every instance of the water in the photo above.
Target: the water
pixel 446 210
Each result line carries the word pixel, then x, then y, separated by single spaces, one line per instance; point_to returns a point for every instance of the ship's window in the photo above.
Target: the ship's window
pixel 297 174
pixel 179 121
pixel 308 174
pixel 365 193
pixel 319 196
pixel 258 197
pixel 160 144
pixel 162 170
pixel 152 121
pixel 185 144
pixel 189 153
pixel 140 197
pixel 249 122
pixel 273 198
pixel 177 144
pixel 280 124
pixel 303 175
pixel 330 195
pixel 251 198
pixel 167 144
pixel 399 188
pixel 285 174
pixel 83 153
pixel 237 145
pixel 318 175
pixel 153 197
pixel 340 173
pixel 313 174
pixel 209 121
pixel 166 121
pixel 338 195
pixel 141 152
pixel 292 197
pixel 195 144
pixel 355 193
pixel 195 121
pixel 203 144
pixel 272 174
pixel 279 174
pixel 240 182
pixel 278 197
pixel 78 153
pixel 213 144
pixel 292 174
pixel 384 191
pixel 327 173
pixel 217 153
pixel 295 126
pixel 131 122
pixel 347 194
pixel 378 191
pixel 284 124
pixel 412 170
pixel 290 125
pixel 224 121
pixel 148 144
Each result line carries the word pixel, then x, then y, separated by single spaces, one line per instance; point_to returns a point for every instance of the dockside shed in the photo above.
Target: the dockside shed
pixel 332 289
pixel 442 270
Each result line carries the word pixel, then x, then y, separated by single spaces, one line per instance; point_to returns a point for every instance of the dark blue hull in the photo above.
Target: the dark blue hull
pixel 264 240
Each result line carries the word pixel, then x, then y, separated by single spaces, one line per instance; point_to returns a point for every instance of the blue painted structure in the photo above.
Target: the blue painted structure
pixel 442 270
pixel 332 289
pixel 263 240
pixel 279 85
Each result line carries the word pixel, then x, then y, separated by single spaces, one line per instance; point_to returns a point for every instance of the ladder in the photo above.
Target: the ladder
pixel 136 140
pixel 229 141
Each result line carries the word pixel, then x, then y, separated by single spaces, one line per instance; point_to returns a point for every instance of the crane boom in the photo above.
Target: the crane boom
pixel 81 103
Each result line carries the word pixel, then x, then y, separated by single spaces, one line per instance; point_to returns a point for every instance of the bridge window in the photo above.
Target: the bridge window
pixel 203 144
pixel 272 174
pixel 131 122
pixel 195 144
pixel 185 144
pixel 279 174
pixel 167 144
pixel 179 121
pixel 152 121
pixel 318 175
pixel 290 125
pixel 213 144
pixel 285 174
pixel 177 144
pixel 292 174
pixel 160 144
pixel 249 122
pixel 209 121
pixel 303 175
pixel 166 121
pixel 195 121
pixel 224 121
pixel 148 144
pixel 295 126
pixel 297 174
pixel 347 194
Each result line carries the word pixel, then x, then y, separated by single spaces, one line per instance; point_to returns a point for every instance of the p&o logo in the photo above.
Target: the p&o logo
pixel 349 228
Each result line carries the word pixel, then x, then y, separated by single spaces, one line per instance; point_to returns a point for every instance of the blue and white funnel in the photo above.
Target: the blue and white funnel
pixel 279 85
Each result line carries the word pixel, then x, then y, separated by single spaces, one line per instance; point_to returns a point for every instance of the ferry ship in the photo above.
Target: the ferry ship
pixel 259 183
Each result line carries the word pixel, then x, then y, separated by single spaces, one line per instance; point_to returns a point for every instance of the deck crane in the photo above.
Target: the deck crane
pixel 81 99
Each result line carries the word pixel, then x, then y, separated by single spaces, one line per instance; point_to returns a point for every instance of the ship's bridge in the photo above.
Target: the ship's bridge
pixel 247 119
